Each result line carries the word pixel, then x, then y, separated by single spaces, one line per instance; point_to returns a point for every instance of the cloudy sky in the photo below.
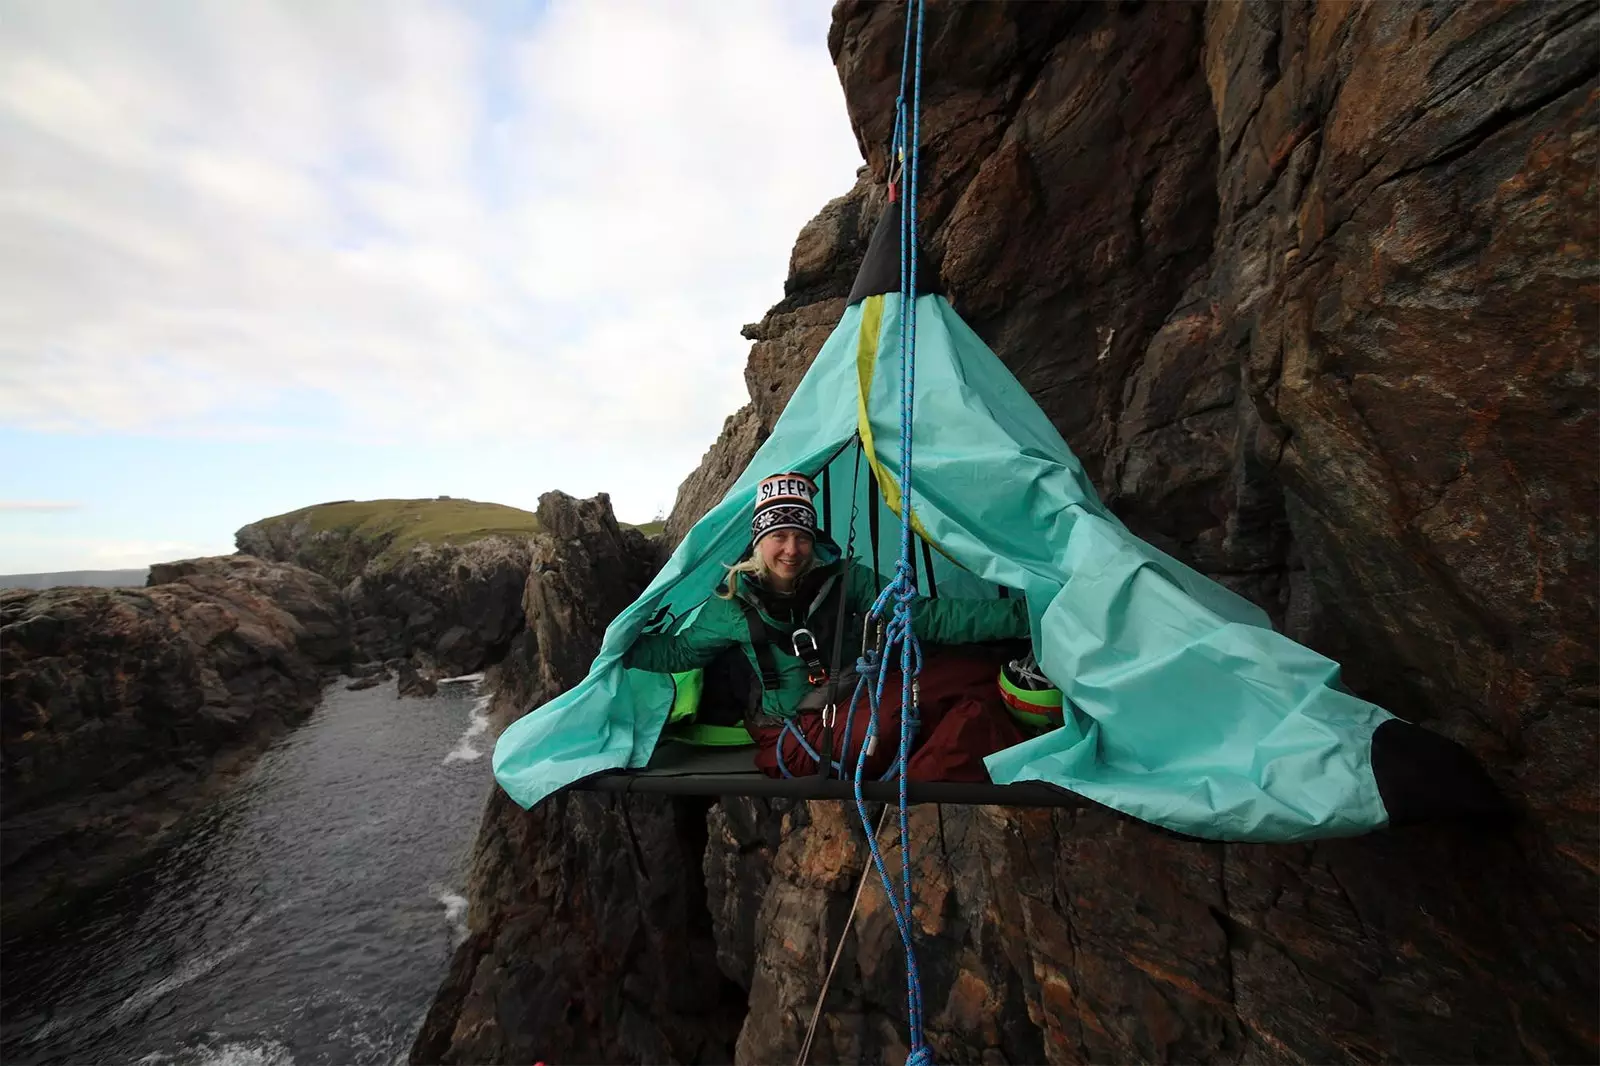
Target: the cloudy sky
pixel 257 255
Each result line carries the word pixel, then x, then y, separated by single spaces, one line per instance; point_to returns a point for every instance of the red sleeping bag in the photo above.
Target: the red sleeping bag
pixel 963 719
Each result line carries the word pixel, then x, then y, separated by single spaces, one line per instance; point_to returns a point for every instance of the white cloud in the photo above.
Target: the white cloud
pixel 539 234
pixel 39 506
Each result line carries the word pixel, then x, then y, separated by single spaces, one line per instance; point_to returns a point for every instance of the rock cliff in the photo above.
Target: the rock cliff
pixel 1311 290
pixel 119 708
pixel 590 939
pixel 435 580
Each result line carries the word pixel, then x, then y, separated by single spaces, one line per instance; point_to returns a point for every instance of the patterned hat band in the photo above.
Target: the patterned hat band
pixel 801 516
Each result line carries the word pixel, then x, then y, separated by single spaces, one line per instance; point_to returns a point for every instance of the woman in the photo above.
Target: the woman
pixel 780 605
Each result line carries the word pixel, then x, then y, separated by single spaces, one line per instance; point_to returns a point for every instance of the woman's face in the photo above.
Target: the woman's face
pixel 785 554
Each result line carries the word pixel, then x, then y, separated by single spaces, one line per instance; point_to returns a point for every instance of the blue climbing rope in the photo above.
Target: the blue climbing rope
pixel 899 632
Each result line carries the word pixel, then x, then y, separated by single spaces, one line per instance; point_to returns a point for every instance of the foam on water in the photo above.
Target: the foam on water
pixel 477 726
pixel 227 1053
pixel 189 971
pixel 455 915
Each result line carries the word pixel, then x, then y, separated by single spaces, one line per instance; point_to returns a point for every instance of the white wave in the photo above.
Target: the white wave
pixel 233 1053
pixel 455 913
pixel 462 680
pixel 189 971
pixel 477 726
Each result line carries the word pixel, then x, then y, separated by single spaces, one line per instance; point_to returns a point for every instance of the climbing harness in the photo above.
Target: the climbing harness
pixel 806 651
pixel 801 639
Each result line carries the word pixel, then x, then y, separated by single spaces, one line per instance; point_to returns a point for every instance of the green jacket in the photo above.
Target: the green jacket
pixel 721 625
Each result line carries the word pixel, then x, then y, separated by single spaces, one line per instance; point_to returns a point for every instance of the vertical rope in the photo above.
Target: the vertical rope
pixel 903 589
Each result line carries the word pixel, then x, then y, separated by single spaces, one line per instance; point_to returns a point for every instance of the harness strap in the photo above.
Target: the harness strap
pixel 804 644
pixel 761 644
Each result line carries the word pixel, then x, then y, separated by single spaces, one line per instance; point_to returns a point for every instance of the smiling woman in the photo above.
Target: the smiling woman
pixel 778 611
pixel 783 535
pixel 422 225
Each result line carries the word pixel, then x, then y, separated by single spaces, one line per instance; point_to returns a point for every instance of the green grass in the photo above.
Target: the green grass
pixel 401 525
pixel 653 529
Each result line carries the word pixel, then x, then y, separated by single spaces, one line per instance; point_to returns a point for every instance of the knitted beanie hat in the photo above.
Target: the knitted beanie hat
pixel 783 501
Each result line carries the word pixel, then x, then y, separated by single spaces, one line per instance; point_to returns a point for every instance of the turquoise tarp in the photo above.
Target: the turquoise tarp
pixel 1186 709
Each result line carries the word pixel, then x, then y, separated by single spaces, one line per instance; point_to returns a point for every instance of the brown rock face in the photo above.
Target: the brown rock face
pixel 119 704
pixel 456 605
pixel 585 569
pixel 1080 937
pixel 590 938
pixel 1312 291
pixel 454 608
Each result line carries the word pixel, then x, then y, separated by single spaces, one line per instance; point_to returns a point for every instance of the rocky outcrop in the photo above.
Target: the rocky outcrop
pixel 584 570
pixel 589 938
pixel 337 553
pixel 305 602
pixel 1310 289
pixel 456 604
pixel 121 706
pixel 417 587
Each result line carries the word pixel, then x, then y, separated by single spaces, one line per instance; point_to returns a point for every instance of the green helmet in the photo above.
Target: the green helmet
pixel 1031 697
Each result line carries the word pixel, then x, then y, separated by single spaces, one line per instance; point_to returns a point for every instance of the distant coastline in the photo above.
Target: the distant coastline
pixel 110 579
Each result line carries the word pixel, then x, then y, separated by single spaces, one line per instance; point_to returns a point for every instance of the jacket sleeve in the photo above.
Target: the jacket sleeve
pixel 944 621
pixel 708 636
pixel 940 621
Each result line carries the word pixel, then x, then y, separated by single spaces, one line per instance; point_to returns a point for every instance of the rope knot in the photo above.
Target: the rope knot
pixel 922 1056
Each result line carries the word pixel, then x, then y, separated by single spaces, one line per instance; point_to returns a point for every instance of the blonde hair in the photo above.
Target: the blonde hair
pixel 756 567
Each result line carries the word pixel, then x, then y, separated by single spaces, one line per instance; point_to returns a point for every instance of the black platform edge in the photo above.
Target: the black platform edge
pixel 1023 794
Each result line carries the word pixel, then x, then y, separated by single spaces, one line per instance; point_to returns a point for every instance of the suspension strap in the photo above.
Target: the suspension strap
pixel 830 710
pixel 872 516
pixel 827 503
